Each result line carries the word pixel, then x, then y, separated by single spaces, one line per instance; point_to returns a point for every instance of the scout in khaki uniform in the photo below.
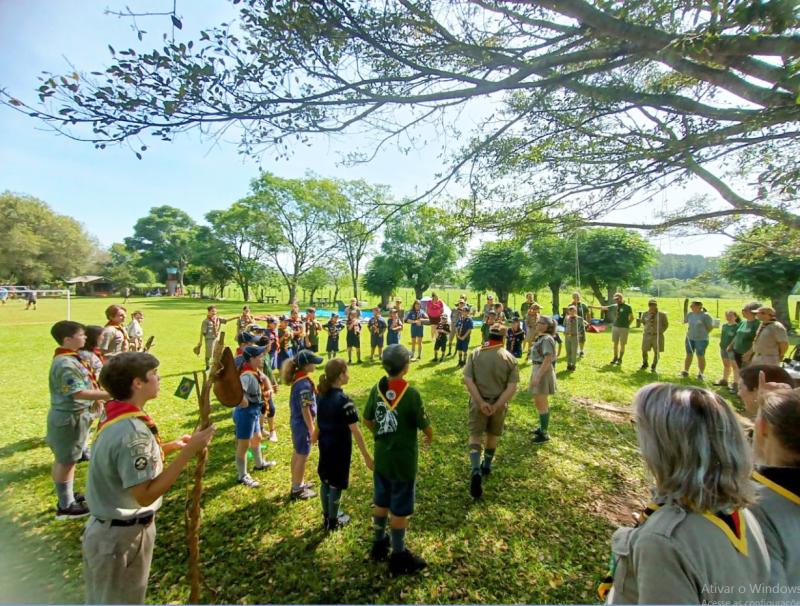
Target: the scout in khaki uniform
pixel 574 332
pixel 127 479
pixel 491 377
pixel 584 314
pixel 209 332
pixel 654 325
pixel 771 341
pixel 136 332
pixel 114 338
pixel 621 326
pixel 776 442
pixel 529 323
pixel 543 374
pixel 73 389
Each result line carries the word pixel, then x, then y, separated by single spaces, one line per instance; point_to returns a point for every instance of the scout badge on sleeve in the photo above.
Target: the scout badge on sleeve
pixel 185 388
pixel 227 386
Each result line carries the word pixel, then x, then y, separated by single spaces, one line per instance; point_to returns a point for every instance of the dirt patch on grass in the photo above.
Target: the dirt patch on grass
pixel 605 410
pixel 620 508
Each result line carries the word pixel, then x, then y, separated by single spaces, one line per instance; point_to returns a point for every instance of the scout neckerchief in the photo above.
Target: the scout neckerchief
pixel 392 391
pixel 302 374
pixel 117 411
pixel 120 330
pixel 492 343
pixel 63 352
pixel 793 497
pixel 260 377
pixel 733 525
pixel 760 328
pixel 99 353
pixel 214 324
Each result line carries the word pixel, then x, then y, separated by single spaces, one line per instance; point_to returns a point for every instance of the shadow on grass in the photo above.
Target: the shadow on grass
pixel 21 446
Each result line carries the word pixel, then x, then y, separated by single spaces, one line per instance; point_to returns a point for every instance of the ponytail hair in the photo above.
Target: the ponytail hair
pixel 334 369
pixel 288 371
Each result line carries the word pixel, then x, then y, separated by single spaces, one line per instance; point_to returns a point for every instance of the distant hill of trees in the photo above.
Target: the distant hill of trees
pixel 683 267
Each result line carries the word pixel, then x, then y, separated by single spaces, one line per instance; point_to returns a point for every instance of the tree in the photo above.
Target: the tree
pixel 498 266
pixel 124 268
pixel 338 275
pixel 613 259
pixel 603 101
pixel 313 280
pixel 552 263
pixel 209 264
pixel 244 233
pixel 299 213
pixel 164 238
pixel 38 244
pixel 358 216
pixel 423 246
pixel 382 277
pixel 754 264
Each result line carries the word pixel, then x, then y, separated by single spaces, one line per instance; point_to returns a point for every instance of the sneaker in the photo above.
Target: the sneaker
pixel 614 361
pixel 405 562
pixel 79 497
pixel 475 488
pixel 684 373
pixel 700 376
pixel 73 511
pixel 720 383
pixel 643 366
pixel 380 550
pixel 540 437
pixel 307 485
pixel 303 493
pixel 653 368
pixel 248 481
pixel 733 388
pixel 580 355
pixel 486 471
pixel 273 437
pixel 266 465
pixel 331 524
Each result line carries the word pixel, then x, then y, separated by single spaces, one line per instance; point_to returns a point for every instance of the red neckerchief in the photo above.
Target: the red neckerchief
pixel 392 391
pixel 260 377
pixel 120 329
pixel 301 374
pixel 71 353
pixel 115 409
pixel 99 353
pixel 493 342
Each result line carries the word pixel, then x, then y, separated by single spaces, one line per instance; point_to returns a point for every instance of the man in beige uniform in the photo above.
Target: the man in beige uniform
pixel 126 481
pixel 771 340
pixel 491 376
pixel 654 325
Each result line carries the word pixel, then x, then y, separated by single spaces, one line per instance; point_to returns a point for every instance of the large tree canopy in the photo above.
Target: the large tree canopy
pixel 594 102
pixel 498 266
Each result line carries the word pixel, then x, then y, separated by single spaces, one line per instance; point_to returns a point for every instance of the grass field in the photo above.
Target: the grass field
pixel 540 534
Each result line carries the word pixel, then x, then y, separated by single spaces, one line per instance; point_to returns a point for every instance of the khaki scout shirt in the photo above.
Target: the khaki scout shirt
pixel 682 557
pixel 124 454
pixel 654 324
pixel 543 346
pixel 113 340
pixel 67 377
pixel 492 369
pixel 768 339
pixel 210 328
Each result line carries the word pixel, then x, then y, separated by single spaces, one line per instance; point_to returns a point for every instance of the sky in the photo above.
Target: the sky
pixel 108 190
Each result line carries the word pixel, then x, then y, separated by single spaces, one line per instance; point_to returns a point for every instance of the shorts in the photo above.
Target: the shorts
pixel 441 343
pixel 417 332
pixel 301 439
pixel 462 345
pixel 696 347
pixel 649 342
pixel 397 495
pixel 479 423
pixel 376 340
pixel 354 339
pixel 725 354
pixel 546 386
pixel 333 345
pixel 67 433
pixel 393 338
pixel 619 335
pixel 245 422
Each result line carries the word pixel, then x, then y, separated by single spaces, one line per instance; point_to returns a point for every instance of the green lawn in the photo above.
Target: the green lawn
pixel 540 534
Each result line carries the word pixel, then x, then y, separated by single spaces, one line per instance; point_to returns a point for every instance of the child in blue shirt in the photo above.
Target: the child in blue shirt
pixel 395 328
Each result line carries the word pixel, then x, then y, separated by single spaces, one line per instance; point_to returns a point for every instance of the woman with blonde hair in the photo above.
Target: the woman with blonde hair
pixel 699 543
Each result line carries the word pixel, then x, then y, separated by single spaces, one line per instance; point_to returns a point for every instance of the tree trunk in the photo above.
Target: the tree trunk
pixel 781 306
pixel 292 292
pixel 311 296
pixel 555 290
pixel 597 292
pixel 418 293
pixel 385 300
pixel 502 296
pixel 354 280
pixel 202 287
pixel 335 294
pixel 245 286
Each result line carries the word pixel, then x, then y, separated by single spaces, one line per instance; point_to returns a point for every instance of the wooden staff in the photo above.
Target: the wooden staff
pixel 203 385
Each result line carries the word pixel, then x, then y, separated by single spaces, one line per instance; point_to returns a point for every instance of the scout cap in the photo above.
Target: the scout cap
pixel 307 356
pixel 395 358
pixel 252 351
pixel 652 302
pixel 698 303
pixel 246 337
pixel 255 327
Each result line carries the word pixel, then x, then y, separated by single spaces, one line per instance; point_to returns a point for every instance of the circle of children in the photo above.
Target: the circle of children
pixel 718 528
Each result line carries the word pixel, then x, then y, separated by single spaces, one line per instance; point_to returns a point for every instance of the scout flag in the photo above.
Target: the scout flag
pixel 185 388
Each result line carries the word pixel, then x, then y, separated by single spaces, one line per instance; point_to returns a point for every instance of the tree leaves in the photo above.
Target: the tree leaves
pixel 176 22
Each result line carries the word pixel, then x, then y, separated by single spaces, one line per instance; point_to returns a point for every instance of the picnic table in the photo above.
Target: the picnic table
pixel 270 299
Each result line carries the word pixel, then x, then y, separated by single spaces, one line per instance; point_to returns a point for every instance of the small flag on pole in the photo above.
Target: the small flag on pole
pixel 185 388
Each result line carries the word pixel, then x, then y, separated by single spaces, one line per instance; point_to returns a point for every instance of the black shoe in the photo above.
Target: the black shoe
pixel 74 511
pixel 540 437
pixel 486 471
pixel 653 368
pixel 303 494
pixel 614 361
pixel 380 550
pixel 334 523
pixel 79 497
pixel 643 366
pixel 475 488
pixel 405 562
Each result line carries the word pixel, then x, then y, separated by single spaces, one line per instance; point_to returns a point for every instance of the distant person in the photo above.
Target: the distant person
pixel 454 323
pixel 114 339
pixel 31 298
pixel 523 310
pixel 771 340
pixel 3 295
pixel 442 331
pixel 574 329
pixel 696 540
pixel 394 328
pixel 654 325
pixel 727 335
pixel 126 294
pixel 435 311
pixel 488 308
pixel 136 332
pixel 354 335
pixel 465 327
pixel 515 337
pixel 312 330
pixel 415 317
pixel 529 322
pixel 582 311
pixel 209 332
pixel 621 326
pixel 743 341
pixel 543 375
pixel 699 324
pixel 377 330
pixel 333 327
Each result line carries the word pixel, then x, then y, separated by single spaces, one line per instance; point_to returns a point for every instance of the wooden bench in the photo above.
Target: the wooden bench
pixel 270 299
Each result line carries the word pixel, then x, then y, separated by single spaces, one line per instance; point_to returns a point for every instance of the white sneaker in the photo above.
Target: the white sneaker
pixel 273 437
pixel 248 481
pixel 700 377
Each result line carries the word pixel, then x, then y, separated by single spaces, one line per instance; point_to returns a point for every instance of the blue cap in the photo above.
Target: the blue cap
pixel 252 351
pixel 307 356
pixel 246 337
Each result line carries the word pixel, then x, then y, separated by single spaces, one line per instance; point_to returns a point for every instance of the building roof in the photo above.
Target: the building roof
pixel 86 279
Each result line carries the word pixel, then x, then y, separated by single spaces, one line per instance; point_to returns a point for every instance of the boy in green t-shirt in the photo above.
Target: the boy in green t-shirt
pixel 395 413
pixel 622 324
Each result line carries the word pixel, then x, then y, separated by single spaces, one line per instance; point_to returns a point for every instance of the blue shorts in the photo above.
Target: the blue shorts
pixel 376 340
pixel 395 495
pixel 417 331
pixel 462 345
pixel 696 347
pixel 245 421
pixel 301 440
pixel 393 338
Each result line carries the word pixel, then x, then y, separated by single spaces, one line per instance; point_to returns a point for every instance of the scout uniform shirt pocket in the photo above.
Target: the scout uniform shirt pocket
pixel 623 589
